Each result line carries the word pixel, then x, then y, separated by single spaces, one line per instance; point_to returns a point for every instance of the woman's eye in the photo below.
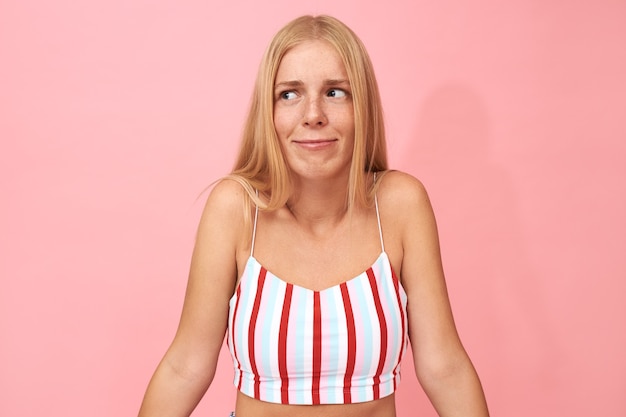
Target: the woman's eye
pixel 288 95
pixel 336 92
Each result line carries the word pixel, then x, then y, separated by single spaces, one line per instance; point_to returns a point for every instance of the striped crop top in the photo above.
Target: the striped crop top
pixel 341 345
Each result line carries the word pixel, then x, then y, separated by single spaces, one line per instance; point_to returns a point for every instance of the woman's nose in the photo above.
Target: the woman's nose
pixel 314 114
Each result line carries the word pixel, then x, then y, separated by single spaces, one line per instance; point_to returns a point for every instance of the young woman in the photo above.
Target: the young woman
pixel 314 260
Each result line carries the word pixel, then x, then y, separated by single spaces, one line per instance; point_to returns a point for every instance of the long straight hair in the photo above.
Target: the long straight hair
pixel 261 166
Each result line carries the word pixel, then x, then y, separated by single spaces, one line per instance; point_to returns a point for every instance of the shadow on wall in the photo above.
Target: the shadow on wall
pixel 497 300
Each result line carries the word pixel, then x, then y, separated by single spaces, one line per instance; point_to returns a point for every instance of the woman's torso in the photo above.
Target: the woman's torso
pixel 319 263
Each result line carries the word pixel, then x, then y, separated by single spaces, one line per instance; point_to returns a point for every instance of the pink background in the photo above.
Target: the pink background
pixel 115 114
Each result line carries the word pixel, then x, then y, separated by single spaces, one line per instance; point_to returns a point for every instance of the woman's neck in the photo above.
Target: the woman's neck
pixel 319 202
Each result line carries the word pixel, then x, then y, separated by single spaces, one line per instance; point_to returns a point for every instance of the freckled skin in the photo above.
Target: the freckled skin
pixel 313 111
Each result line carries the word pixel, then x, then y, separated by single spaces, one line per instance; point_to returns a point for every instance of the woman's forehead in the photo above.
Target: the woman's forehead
pixel 311 59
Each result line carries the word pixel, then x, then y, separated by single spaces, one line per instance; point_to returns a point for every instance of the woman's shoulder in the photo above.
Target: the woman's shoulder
pixel 227 202
pixel 399 189
pixel 226 194
pixel 406 215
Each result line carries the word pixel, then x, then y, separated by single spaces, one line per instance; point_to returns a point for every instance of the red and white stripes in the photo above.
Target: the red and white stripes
pixel 342 345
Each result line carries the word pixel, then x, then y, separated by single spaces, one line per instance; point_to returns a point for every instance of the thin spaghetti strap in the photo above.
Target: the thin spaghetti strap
pixel 256 216
pixel 380 229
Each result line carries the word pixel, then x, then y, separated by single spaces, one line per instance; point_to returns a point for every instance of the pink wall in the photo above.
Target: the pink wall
pixel 114 115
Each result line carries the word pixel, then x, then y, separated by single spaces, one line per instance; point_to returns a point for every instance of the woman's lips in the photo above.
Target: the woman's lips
pixel 315 143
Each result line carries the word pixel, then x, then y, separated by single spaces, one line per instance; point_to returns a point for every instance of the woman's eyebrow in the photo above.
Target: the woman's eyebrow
pixel 337 82
pixel 282 84
pixel 298 83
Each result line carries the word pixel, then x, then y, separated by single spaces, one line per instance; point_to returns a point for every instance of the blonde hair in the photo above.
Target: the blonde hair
pixel 261 165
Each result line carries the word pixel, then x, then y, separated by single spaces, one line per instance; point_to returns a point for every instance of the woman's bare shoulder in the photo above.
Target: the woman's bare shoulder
pixel 226 194
pixel 225 207
pixel 400 190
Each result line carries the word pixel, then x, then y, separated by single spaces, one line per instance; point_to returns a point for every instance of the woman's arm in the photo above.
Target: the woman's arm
pixel 188 367
pixel 441 363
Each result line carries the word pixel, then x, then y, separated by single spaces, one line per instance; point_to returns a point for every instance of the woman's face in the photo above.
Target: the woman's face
pixel 313 111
